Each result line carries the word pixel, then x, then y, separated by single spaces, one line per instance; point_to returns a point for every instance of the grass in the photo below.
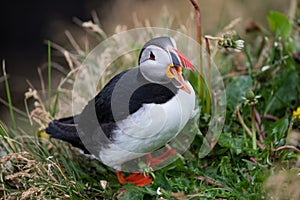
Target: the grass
pixel 255 157
pixel 49 76
pixel 12 116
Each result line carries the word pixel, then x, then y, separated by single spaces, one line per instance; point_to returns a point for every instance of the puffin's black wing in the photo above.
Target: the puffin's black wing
pixel 67 129
pixel 102 101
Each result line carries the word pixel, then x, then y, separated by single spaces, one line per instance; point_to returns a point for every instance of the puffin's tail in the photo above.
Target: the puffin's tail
pixel 66 129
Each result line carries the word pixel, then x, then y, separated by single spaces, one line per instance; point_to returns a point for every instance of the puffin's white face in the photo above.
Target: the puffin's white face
pixel 154 62
pixel 160 62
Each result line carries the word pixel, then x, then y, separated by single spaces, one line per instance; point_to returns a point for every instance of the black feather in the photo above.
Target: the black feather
pixel 66 129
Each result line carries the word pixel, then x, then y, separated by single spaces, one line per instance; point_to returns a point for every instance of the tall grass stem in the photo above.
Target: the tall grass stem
pixel 199 39
pixel 10 106
pixel 49 75
pixel 208 73
pixel 254 145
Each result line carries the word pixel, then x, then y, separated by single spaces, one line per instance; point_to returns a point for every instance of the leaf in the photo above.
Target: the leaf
pixel 131 195
pixel 236 89
pixel 286 94
pixel 280 24
pixel 236 144
pixel 279 129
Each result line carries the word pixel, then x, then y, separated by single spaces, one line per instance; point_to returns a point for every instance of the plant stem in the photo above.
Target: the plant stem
pixel 253 121
pixel 199 39
pixel 245 127
pixel 251 66
pixel 210 181
pixel 292 10
pixel 198 21
pixel 288 135
pixel 53 113
pixel 288 147
pixel 49 75
pixel 208 72
pixel 12 116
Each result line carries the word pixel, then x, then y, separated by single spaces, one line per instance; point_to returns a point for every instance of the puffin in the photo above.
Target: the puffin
pixel 138 111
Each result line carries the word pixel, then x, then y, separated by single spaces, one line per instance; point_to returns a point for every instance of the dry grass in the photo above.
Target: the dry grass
pixel 284 185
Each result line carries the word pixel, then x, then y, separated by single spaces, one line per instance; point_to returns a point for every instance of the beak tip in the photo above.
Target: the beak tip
pixel 191 67
pixel 186 89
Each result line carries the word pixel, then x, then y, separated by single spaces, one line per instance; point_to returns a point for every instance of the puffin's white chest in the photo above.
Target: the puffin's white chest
pixel 148 129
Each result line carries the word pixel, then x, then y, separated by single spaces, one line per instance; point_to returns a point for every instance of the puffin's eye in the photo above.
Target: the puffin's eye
pixel 152 56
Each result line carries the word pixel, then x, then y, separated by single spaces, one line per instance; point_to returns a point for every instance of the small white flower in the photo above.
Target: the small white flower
pixel 228 42
pixel 158 191
pixel 103 184
pixel 265 68
pixel 239 45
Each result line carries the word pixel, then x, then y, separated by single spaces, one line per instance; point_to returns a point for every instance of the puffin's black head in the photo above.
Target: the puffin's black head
pixel 160 62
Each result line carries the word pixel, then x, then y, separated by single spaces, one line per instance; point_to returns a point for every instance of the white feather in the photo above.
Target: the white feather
pixel 151 127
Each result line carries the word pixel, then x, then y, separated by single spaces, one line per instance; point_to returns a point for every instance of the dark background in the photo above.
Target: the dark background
pixel 26 25
pixel 25 28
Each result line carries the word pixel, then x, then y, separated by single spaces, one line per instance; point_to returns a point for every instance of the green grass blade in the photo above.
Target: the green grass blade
pixel 6 141
pixel 249 59
pixel 49 75
pixel 10 106
pixel 55 104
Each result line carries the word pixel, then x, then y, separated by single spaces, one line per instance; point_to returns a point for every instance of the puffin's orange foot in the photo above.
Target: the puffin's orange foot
pixel 155 161
pixel 139 179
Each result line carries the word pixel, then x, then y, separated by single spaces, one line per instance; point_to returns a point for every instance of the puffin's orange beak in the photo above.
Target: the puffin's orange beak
pixel 175 68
